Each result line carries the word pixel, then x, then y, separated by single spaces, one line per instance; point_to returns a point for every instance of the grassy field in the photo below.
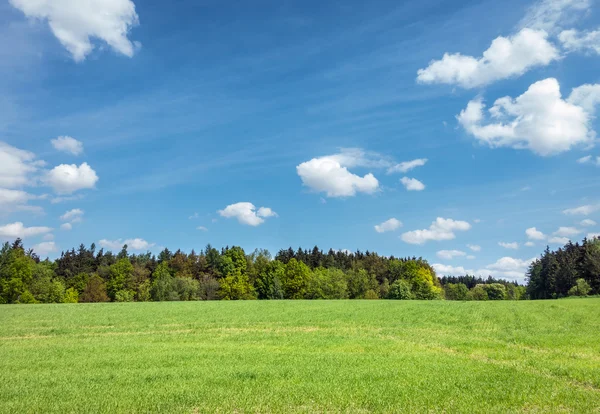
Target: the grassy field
pixel 301 356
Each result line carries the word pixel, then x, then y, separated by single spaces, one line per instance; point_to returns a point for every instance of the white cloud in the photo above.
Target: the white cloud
pixel 574 40
pixel 407 165
pixel 585 210
pixel 505 58
pixel 48 237
pixel 16 166
pixel 193 216
pixel 530 244
pixel 586 96
pixel 534 234
pixel 507 268
pixel 567 232
pixel 17 229
pixel 201 228
pixel 133 244
pixel 587 223
pixel 66 179
pixel 388 225
pixel 474 247
pixel 558 240
pixel 589 160
pixel 538 120
pixel 412 184
pixel 76 22
pixel 44 248
pixel 246 213
pixel 330 175
pixel 440 229
pixel 513 245
pixel 593 236
pixel 16 200
pixel 71 215
pixel 550 15
pixel 449 270
pixel 265 212
pixel 66 226
pixel 470 257
pixel 67 144
pixel 450 254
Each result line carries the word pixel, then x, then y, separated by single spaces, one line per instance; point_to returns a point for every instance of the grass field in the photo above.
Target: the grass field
pixel 301 356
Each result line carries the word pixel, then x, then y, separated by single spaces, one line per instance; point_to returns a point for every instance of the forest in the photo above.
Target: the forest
pixel 87 275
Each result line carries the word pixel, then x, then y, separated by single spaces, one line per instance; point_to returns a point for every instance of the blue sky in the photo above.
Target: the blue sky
pixel 173 123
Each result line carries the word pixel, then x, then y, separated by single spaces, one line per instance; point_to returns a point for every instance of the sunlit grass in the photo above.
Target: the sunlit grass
pixel 301 356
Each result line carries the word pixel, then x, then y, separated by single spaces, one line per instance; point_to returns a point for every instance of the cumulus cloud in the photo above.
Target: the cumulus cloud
pixel 567 232
pixel 587 223
pixel 588 159
pixel 593 236
pixel 586 96
pixel 407 166
pixel 66 226
pixel 559 240
pixel 586 41
pixel 440 229
pixel 474 247
pixel 584 210
pixel 534 234
pixel 44 248
pixel 512 245
pixel 76 22
pixel 72 215
pixel 330 175
pixel 17 200
pixel 18 230
pixel 246 213
pixel 133 244
pixel 68 178
pixel 449 270
pixel 450 254
pixel 538 120
pixel 16 166
pixel 201 228
pixel 67 144
pixel 412 184
pixel 388 225
pixel 530 244
pixel 506 268
pixel 505 58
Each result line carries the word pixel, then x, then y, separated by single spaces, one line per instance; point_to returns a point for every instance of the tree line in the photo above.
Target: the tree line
pixel 90 275
pixel 572 270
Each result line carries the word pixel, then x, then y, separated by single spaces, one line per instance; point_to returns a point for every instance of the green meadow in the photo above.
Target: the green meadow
pixel 301 356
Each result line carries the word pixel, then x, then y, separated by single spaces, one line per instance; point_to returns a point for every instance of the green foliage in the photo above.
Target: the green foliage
pixel 371 294
pixel 236 287
pixel 359 282
pixel 478 293
pixel 400 290
pixel 163 284
pixel 495 291
pixel 295 279
pixel 327 284
pixel 71 296
pixel 187 289
pixel 456 291
pixel 26 297
pixel 581 288
pixel 95 290
pixel 124 295
pixel 268 276
pixel 120 275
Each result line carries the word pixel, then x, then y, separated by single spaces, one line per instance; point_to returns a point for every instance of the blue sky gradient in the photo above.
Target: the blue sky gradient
pixel 219 103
